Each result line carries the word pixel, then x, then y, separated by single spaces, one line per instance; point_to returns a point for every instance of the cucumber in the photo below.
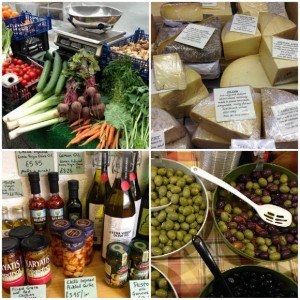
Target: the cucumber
pixel 61 80
pixel 57 65
pixel 48 55
pixel 44 76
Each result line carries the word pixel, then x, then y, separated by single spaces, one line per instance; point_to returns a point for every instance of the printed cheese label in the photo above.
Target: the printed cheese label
pixel 195 35
pixel 286 116
pixel 158 140
pixel 285 49
pixel 234 104
pixel 244 24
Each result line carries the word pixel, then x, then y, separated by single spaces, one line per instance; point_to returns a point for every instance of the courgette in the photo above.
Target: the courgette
pixel 44 76
pixel 61 80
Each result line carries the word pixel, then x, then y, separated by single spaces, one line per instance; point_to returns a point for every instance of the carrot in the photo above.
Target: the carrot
pixel 114 144
pixel 81 128
pixel 102 128
pixel 110 136
pixel 92 130
pixel 93 137
pixel 87 121
pixel 76 122
pixel 102 143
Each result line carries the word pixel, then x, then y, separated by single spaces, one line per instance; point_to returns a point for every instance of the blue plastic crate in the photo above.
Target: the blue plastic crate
pixel 39 24
pixel 108 55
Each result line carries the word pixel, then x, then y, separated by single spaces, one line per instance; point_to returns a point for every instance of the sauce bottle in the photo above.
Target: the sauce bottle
pixel 74 207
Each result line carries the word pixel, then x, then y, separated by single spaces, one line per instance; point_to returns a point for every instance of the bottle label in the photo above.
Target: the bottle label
pixel 137 204
pixel 117 230
pixel 144 223
pixel 139 270
pixel 12 267
pixel 39 216
pixel 74 216
pixel 37 268
pixel 96 214
pixel 56 213
pixel 116 276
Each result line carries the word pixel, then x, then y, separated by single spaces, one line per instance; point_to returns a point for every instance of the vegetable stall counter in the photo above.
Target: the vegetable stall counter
pixel 55 289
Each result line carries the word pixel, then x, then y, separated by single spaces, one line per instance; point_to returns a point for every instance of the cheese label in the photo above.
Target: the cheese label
pixel 285 49
pixel 234 104
pixel 158 140
pixel 195 35
pixel 252 144
pixel 286 116
pixel 244 24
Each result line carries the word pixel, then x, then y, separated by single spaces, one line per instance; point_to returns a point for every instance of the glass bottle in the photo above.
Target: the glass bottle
pixel 74 207
pixel 19 219
pixel 55 203
pixel 143 222
pixel 7 224
pixel 97 198
pixel 135 188
pixel 120 210
pixel 37 204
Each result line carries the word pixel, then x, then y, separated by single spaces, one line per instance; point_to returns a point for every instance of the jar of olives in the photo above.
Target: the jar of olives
pixel 12 265
pixel 139 260
pixel 37 260
pixel 57 227
pixel 117 264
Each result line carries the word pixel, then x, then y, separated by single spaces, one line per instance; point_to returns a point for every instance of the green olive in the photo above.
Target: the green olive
pixel 169 225
pixel 187 238
pixel 161 216
pixel 161 293
pixel 155 251
pixel 190 218
pixel 185 226
pixel 158 180
pixel 274 256
pixel 179 173
pixel 155 222
pixel 162 171
pixel 171 235
pixel 262 182
pixel 248 234
pixel 162 191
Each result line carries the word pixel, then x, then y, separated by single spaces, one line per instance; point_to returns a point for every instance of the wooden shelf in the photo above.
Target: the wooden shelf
pixel 55 289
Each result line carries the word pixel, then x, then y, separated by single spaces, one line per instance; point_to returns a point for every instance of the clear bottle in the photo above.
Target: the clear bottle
pixel 74 207
pixel 97 198
pixel 120 210
pixel 7 224
pixel 135 188
pixel 19 219
pixel 143 223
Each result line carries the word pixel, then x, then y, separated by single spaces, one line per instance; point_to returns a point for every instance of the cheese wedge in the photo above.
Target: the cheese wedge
pixel 249 71
pixel 237 44
pixel 183 143
pixel 279 71
pixel 252 8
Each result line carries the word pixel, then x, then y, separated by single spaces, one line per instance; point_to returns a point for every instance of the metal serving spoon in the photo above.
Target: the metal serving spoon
pixel 270 213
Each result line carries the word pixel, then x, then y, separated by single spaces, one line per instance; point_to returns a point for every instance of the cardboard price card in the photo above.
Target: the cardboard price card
pixel 70 163
pixel 244 24
pixel 139 288
pixel 12 189
pixel 84 287
pixel 29 291
pixel 285 49
pixel 158 140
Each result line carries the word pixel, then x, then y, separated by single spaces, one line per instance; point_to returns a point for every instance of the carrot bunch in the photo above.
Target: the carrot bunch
pixel 86 132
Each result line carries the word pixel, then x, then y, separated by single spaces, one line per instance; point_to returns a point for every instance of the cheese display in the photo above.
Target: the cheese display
pixel 249 71
pixel 169 72
pixel 274 25
pixel 278 70
pixel 237 44
pixel 182 11
pixel 255 8
pixel 272 130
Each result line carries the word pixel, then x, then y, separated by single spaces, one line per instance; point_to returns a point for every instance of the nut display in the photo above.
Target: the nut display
pixel 160 287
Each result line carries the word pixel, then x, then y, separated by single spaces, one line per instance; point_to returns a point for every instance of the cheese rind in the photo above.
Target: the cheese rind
pixel 279 71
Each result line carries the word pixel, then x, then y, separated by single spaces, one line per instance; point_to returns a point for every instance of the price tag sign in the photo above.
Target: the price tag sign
pixel 35 161
pixel 234 104
pixel 285 49
pixel 252 144
pixel 195 35
pixel 70 163
pixel 84 287
pixel 286 117
pixel 29 291
pixel 139 288
pixel 12 189
pixel 158 140
pixel 244 24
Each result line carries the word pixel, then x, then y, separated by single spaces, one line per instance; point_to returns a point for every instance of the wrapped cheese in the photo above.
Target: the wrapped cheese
pixel 275 97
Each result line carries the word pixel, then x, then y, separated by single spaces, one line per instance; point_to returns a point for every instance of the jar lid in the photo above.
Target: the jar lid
pixel 34 243
pixel 73 235
pixel 118 249
pixel 140 247
pixel 9 244
pixel 84 224
pixel 21 232
pixel 60 225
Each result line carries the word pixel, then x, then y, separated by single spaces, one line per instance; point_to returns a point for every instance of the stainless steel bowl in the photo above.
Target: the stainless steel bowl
pixel 93 17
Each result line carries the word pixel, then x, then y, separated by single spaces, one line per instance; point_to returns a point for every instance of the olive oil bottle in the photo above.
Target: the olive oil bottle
pixel 74 207
pixel 119 215
pixel 142 231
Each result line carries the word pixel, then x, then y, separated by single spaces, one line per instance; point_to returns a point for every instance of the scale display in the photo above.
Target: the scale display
pixel 76 45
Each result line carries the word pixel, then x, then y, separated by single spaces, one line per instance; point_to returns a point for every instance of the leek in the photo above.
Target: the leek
pixel 50 114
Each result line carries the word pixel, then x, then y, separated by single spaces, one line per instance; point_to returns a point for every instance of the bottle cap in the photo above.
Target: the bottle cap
pixel 119 250
pixel 34 179
pixel 53 181
pixel 140 247
pixel 34 176
pixel 73 184
pixel 9 244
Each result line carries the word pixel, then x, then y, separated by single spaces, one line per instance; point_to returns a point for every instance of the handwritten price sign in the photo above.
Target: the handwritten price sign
pixel 71 162
pixel 84 287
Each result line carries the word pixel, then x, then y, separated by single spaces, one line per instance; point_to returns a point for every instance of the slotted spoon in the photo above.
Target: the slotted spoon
pixel 270 213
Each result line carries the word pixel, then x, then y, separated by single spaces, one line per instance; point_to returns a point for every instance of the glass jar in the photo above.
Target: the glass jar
pixel 57 227
pixel 37 261
pixel 73 241
pixel 21 232
pixel 12 265
pixel 87 226
pixel 139 255
pixel 117 264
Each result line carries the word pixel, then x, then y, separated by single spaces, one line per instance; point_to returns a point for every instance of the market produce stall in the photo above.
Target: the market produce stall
pixel 94 86
pixel 222 75
pixel 227 231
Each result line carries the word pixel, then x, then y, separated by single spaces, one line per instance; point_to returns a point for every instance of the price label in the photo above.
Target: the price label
pixel 29 291
pixel 285 49
pixel 84 287
pixel 12 189
pixel 195 35
pixel 244 24
pixel 252 144
pixel 209 4
pixel 35 161
pixel 139 288
pixel 158 140
pixel 70 162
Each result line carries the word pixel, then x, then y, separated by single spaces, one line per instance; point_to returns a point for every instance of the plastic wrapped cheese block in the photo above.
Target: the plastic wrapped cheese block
pixel 274 97
pixel 204 114
pixel 212 51
pixel 255 8
pixel 208 70
pixel 183 143
pixel 169 72
pixel 248 70
pixel 274 25
pixel 182 11
pixel 237 44
pixel 278 70
pixel 163 121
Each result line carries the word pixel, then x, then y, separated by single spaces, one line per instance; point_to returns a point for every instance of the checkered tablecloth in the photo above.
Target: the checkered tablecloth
pixel 186 270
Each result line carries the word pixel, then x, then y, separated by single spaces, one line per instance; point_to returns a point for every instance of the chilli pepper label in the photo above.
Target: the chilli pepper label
pixel 56 213
pixel 38 216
